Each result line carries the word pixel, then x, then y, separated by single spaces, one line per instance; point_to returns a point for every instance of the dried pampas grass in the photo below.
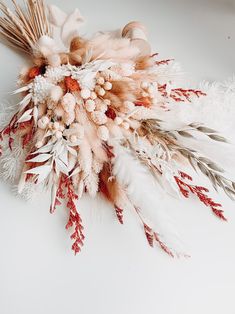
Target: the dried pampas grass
pixel 23 27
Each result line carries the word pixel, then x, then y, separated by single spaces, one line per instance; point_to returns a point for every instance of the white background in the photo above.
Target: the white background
pixel 117 272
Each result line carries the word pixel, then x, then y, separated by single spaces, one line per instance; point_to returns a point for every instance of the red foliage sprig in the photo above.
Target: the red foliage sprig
pixel 199 191
pixel 9 130
pixel 152 236
pixel 180 94
pixel 163 62
pixel 66 191
pixel 119 213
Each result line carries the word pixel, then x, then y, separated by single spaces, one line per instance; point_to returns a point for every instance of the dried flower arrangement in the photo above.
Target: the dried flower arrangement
pixel 91 120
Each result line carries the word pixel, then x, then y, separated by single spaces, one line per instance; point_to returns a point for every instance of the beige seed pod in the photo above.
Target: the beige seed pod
pixel 77 43
pixel 54 60
pixel 69 117
pixel 103 132
pixel 64 58
pixel 137 33
pixel 108 86
pixel 59 111
pixel 75 58
pixel 56 93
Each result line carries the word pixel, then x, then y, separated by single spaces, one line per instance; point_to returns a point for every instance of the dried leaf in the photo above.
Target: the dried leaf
pixel 75 171
pixel 205 129
pixel 26 116
pixel 184 134
pixel 60 166
pixel 44 149
pixel 218 138
pixel 172 135
pixel 191 161
pixel 24 102
pixel 203 168
pixel 20 90
pixel 213 166
pixel 229 193
pixel 194 124
pixel 45 169
pixel 40 158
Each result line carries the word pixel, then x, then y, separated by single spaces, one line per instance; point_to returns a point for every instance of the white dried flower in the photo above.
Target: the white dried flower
pixel 126 125
pixel 108 86
pixel 73 138
pixel 107 102
pixel 145 94
pixel 128 106
pixel 54 60
pixel 61 128
pixel 50 105
pixel 58 134
pixel 40 89
pixel 93 95
pixel 69 117
pixel 101 92
pixel 78 130
pixel 85 93
pixel 68 102
pixel 43 122
pixel 59 111
pixel 56 93
pixel 90 105
pixel 101 106
pixel 100 80
pixel 99 117
pixel 103 133
pixel 39 144
pixel 57 74
pixel 56 125
pixel 144 85
pixel 118 120
pixel 151 89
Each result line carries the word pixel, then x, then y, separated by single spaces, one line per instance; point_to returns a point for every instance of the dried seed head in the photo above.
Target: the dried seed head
pixel 85 93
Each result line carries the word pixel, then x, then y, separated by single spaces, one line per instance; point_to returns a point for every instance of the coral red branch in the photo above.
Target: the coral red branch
pixel 119 213
pixel 200 192
pixel 66 191
pixel 163 62
pixel 152 236
pixel 181 95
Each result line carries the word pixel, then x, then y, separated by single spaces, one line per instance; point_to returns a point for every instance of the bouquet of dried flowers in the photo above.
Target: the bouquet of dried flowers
pixel 93 119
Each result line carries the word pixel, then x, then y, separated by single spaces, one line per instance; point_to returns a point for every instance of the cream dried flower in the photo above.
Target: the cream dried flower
pixel 99 117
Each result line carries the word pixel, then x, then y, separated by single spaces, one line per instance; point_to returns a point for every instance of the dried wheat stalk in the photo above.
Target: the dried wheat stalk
pixel 205 165
pixel 25 25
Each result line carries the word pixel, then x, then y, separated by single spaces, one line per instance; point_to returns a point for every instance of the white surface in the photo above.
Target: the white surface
pixel 117 272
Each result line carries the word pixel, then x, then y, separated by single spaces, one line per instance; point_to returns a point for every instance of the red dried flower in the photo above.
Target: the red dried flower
pixel 110 113
pixel 33 72
pixel 71 84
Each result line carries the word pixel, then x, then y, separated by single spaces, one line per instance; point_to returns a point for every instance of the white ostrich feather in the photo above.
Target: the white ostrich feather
pixel 143 193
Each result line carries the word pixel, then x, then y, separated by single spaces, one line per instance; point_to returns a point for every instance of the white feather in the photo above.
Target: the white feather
pixel 142 191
